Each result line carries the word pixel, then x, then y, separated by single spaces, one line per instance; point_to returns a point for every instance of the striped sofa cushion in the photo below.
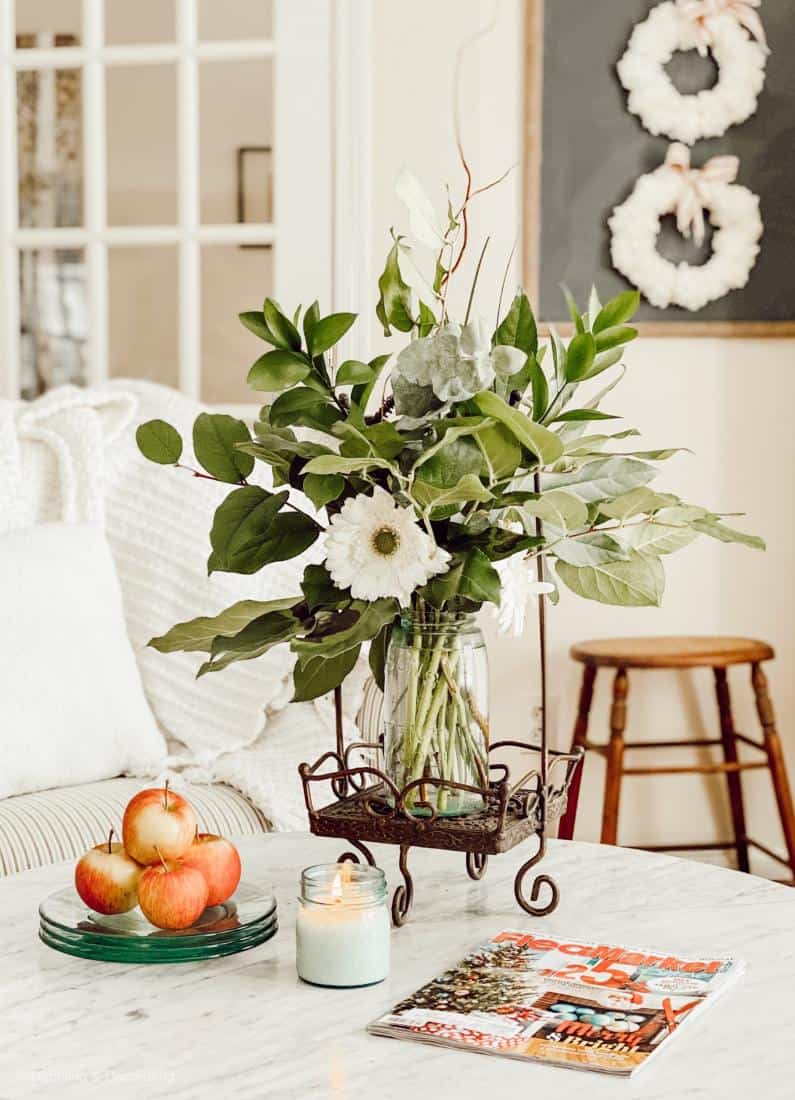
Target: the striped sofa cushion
pixel 370 716
pixel 38 829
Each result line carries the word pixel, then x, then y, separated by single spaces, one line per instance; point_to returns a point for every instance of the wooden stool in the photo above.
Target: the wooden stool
pixel 681 653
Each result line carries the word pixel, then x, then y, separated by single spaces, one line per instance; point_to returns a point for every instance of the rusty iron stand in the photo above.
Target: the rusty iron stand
pixel 369 809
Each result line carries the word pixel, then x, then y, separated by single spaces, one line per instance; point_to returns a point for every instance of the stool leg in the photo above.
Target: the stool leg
pixel 775 760
pixel 567 821
pixel 730 756
pixel 615 757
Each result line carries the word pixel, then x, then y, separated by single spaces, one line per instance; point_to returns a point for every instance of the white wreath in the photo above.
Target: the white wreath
pixel 732 30
pixel 676 188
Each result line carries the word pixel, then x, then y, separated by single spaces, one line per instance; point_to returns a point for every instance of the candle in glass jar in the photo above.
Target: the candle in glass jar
pixel 342 925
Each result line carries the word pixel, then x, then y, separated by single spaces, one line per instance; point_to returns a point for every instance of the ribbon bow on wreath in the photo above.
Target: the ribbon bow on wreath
pixel 701 12
pixel 692 197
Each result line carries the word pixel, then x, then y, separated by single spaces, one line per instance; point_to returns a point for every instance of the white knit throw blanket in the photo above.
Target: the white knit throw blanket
pixel 61 480
pixel 70 456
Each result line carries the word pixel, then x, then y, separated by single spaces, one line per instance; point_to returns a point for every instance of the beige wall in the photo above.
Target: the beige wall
pixel 729 400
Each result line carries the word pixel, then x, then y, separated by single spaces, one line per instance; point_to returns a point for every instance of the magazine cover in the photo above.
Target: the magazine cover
pixel 560 1001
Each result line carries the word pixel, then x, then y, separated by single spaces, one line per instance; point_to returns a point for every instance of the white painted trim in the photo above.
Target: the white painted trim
pixel 249 233
pixel 353 285
pixel 95 191
pixel 322 121
pixel 302 142
pixel 244 50
pixel 188 201
pixel 9 210
pixel 119 236
pixel 161 53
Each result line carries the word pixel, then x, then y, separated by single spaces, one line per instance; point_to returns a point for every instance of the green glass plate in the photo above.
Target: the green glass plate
pixel 243 922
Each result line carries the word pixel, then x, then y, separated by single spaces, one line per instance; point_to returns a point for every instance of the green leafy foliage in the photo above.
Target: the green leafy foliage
pixel 319 589
pixel 560 509
pixel 278 370
pixel 339 464
pixel 316 676
pixel 198 635
pixel 328 331
pixel 580 356
pixel 283 332
pixel 518 328
pixel 249 531
pixel 323 488
pixel 254 640
pixel 378 652
pixel 471 577
pixel 603 479
pixel 304 406
pixel 618 311
pixel 540 441
pixel 711 526
pixel 368 620
pixel 394 304
pixel 637 582
pixel 513 469
pixel 159 442
pixel 216 438
pixel 353 372
pixel 254 321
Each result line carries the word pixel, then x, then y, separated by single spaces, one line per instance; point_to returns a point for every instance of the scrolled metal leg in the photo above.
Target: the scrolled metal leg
pixel 404 894
pixel 538 882
pixel 477 862
pixel 352 857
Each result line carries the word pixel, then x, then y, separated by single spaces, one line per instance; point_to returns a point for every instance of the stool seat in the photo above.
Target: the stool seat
pixel 671 652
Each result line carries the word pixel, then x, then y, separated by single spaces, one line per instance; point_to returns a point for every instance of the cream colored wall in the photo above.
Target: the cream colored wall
pixel 729 400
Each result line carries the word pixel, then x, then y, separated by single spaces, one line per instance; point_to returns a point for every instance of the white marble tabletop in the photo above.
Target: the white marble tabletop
pixel 245 1026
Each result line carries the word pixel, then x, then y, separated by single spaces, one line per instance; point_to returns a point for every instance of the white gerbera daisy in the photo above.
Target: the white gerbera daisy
pixel 376 549
pixel 519 586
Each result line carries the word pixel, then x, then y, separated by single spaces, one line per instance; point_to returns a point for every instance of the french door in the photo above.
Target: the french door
pixel 148 192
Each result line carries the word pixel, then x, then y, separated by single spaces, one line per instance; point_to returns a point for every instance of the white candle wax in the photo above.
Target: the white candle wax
pixel 342 937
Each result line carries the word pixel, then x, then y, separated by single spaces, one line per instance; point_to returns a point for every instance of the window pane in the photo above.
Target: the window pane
pixel 142 21
pixel 234 279
pixel 235 19
pixel 142 145
pixel 143 313
pixel 53 319
pixel 50 162
pixel 236 113
pixel 46 23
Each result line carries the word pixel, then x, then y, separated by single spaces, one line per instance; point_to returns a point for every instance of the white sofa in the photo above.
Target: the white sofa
pixel 241 780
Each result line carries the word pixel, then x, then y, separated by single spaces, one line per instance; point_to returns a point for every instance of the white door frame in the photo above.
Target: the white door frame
pixel 322 193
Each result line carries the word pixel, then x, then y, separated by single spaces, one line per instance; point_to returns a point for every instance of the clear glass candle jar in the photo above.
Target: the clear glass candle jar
pixel 342 926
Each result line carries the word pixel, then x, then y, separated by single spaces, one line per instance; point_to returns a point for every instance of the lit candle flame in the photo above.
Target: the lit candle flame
pixel 343 875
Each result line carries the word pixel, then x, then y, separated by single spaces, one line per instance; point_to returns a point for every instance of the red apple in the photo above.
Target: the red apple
pixel 158 821
pixel 219 862
pixel 106 878
pixel 172 895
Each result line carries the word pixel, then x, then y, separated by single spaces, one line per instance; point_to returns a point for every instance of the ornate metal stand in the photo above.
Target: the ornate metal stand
pixel 373 811
pixel 368 807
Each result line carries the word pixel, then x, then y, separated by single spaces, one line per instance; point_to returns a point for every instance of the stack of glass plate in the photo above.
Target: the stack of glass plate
pixel 246 920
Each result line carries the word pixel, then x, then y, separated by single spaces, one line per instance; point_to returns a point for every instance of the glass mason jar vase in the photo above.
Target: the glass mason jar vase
pixel 436 683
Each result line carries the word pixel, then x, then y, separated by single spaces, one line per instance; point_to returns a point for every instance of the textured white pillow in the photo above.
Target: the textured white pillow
pixel 72 708
pixel 158 521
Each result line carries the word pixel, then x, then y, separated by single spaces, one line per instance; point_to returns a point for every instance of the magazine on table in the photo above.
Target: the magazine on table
pixel 565 1002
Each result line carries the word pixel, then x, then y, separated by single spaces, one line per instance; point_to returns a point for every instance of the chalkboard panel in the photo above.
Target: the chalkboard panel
pixel 585 152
